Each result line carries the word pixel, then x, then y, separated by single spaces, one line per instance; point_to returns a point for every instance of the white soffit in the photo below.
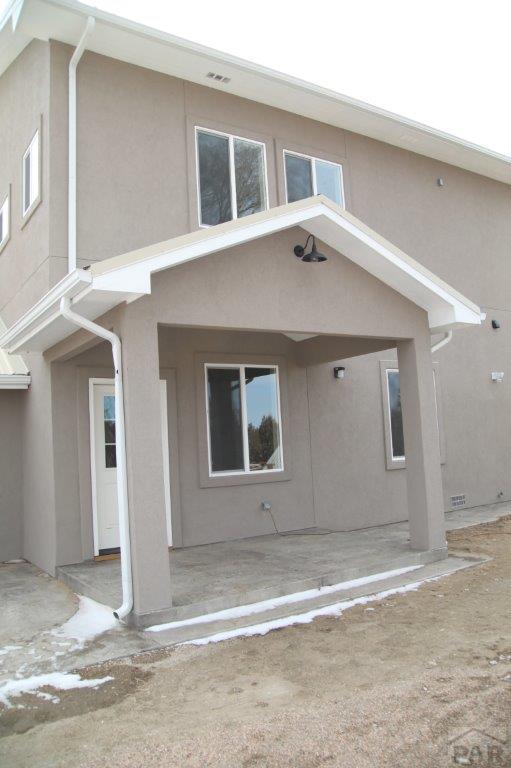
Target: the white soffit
pixel 137 44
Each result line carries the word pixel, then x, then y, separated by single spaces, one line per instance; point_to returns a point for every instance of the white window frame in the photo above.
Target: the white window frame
pixel 5 210
pixel 34 151
pixel 232 170
pixel 313 160
pixel 246 458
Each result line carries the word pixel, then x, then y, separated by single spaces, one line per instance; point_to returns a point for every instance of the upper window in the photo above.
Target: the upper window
pixel 4 222
pixel 31 181
pixel 231 176
pixel 307 176
pixel 244 422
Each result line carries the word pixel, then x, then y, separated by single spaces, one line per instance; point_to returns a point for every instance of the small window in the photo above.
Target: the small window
pixel 231 177
pixel 307 176
pixel 31 175
pixel 244 422
pixel 397 439
pixel 109 431
pixel 4 222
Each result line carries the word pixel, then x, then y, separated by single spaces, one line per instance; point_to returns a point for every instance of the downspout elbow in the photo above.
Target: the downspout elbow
pixel 442 343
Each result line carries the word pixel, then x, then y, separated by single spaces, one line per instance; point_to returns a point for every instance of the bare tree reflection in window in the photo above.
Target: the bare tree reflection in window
pixel 215 182
pixel 249 174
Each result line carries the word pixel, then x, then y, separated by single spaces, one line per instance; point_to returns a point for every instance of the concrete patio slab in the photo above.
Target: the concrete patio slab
pixel 213 577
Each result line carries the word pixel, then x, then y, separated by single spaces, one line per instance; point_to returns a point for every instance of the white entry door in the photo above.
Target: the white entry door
pixel 104 465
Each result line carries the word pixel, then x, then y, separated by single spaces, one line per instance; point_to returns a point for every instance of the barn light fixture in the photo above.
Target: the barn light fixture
pixel 313 256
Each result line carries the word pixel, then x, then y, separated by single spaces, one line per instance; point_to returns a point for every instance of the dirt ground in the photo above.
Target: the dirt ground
pixel 421 679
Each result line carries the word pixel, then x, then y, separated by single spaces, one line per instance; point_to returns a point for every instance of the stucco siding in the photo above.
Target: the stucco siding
pixel 24 96
pixel 11 508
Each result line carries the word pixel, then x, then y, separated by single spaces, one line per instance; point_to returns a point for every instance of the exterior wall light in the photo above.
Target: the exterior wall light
pixel 495 324
pixel 313 256
pixel 339 372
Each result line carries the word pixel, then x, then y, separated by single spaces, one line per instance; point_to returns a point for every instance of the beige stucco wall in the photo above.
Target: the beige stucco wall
pixel 25 100
pixel 11 506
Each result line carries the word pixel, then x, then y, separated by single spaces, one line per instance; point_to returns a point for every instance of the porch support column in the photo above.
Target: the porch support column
pixel 148 531
pixel 422 445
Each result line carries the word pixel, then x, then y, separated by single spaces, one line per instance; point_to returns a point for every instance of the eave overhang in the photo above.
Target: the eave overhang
pixel 14 374
pixel 128 41
pixel 128 276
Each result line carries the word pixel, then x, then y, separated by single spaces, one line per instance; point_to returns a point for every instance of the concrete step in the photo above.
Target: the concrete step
pixel 262 613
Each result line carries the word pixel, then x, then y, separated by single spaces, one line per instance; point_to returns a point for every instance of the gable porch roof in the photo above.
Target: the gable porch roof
pixel 126 277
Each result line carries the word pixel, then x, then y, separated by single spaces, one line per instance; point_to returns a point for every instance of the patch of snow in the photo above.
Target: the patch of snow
pixel 8 648
pixel 275 602
pixel 90 620
pixel 337 609
pixel 63 681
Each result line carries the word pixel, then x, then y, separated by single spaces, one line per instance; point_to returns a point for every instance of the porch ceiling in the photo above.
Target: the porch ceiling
pixel 128 276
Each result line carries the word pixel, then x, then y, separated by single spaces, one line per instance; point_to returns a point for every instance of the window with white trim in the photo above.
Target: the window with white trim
pixel 231 175
pixel 4 221
pixel 307 176
pixel 244 419
pixel 31 181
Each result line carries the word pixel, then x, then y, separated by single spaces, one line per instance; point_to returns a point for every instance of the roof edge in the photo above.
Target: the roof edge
pixel 257 81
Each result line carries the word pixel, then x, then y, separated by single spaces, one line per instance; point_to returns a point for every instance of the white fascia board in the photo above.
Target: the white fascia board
pixel 396 272
pixel 44 312
pixel 137 274
pixel 14 381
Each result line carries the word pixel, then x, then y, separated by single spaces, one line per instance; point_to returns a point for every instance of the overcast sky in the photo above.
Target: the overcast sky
pixel 445 63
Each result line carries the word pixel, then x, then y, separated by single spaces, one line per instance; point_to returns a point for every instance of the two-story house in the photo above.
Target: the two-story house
pixel 234 303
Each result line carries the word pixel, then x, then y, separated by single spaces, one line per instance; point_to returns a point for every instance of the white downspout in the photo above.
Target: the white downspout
pixel 446 339
pixel 98 330
pixel 71 194
pixel 122 479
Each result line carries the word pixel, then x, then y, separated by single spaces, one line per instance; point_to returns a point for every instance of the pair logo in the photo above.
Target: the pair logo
pixel 477 748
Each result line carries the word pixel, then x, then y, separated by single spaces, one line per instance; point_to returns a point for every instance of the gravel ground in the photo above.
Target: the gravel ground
pixel 422 679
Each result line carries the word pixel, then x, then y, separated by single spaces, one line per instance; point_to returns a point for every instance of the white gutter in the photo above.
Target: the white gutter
pixel 71 194
pixel 122 478
pixel 446 339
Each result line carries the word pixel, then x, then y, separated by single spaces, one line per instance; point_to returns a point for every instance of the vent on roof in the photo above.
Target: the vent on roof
pixel 458 501
pixel 218 78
